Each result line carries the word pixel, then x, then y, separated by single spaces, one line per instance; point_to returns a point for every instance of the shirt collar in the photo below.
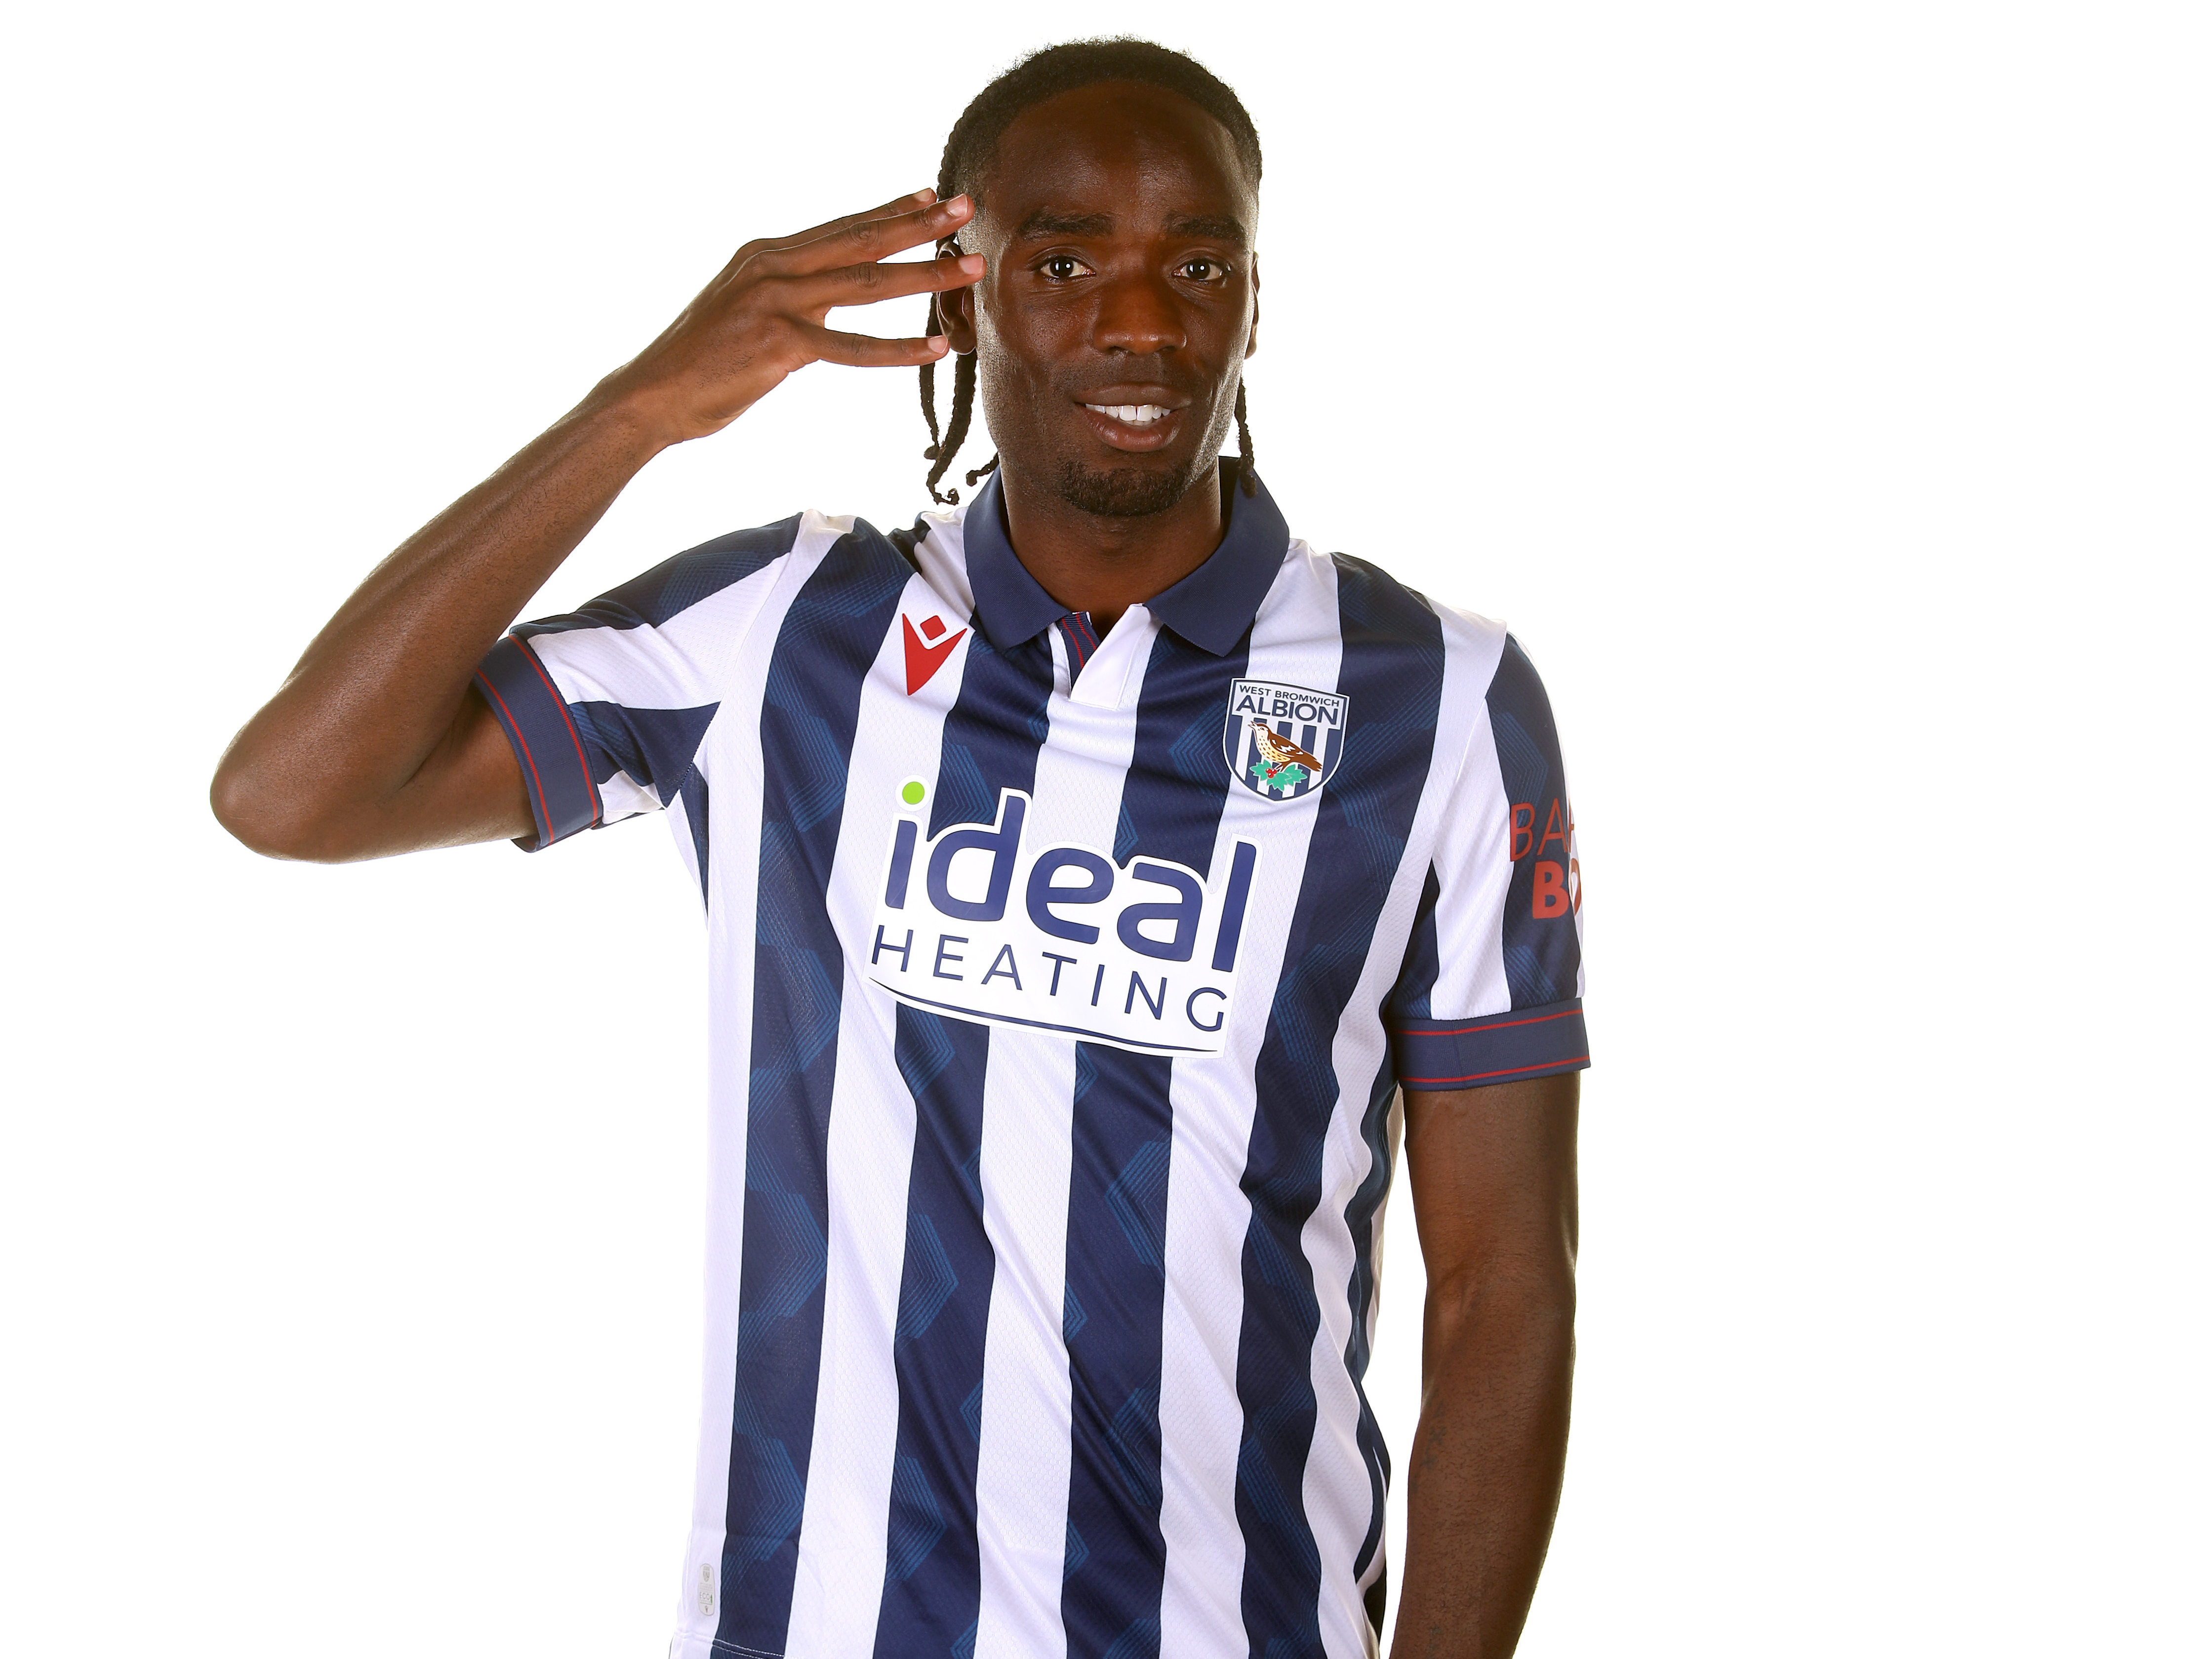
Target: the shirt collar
pixel 1211 607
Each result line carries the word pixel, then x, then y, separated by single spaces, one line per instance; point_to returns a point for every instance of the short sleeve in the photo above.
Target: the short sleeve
pixel 607 708
pixel 1491 989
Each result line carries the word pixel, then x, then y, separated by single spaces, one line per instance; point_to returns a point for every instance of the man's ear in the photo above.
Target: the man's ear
pixel 956 307
pixel 1252 339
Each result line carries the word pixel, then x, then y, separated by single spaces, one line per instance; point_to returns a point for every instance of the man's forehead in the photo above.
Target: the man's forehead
pixel 1118 155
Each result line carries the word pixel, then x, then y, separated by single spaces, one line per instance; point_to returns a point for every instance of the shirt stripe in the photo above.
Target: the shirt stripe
pixel 1392 672
pixel 829 639
pixel 1117 1198
pixel 932 1583
pixel 1295 640
pixel 842 1540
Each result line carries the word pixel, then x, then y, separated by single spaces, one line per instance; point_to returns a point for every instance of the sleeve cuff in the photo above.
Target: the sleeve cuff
pixel 1466 1053
pixel 556 771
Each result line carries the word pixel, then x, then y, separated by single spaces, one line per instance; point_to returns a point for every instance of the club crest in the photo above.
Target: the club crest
pixel 1283 741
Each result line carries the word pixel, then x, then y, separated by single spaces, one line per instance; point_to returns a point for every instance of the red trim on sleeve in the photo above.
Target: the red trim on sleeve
pixel 561 702
pixel 1494 1025
pixel 514 729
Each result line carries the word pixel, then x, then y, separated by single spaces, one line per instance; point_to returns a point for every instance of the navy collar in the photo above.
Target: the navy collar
pixel 1211 607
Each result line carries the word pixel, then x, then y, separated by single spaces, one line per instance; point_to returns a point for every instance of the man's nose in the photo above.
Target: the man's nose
pixel 1138 315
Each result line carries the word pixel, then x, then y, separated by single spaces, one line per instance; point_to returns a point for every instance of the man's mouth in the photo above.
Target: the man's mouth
pixel 1137 422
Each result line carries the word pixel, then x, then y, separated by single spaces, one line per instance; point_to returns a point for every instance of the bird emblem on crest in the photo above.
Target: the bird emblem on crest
pixel 1281 764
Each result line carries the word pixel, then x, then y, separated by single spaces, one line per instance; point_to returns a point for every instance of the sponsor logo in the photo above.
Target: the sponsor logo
pixel 976 922
pixel 1556 883
pixel 1282 742
pixel 926 648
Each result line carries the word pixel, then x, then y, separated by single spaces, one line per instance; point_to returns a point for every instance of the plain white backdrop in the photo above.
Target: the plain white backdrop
pixel 1820 391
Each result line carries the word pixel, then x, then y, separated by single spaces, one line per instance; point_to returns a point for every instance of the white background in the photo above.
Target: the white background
pixel 1821 393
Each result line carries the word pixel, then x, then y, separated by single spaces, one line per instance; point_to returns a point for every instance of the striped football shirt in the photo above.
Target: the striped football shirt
pixel 1062 988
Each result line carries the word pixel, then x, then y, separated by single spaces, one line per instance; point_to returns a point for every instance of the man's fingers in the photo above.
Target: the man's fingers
pixel 864 241
pixel 861 285
pixel 914 202
pixel 867 351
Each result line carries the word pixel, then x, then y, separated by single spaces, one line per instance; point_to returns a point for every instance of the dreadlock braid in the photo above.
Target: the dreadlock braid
pixel 956 428
pixel 1247 479
pixel 970 146
pixel 929 387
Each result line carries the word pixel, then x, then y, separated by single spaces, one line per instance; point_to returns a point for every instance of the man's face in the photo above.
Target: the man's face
pixel 1121 296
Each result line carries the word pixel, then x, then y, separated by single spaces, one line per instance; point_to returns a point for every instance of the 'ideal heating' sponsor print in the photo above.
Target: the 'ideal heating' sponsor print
pixel 976 922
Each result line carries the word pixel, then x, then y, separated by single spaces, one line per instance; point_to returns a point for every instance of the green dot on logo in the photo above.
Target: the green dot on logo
pixel 912 795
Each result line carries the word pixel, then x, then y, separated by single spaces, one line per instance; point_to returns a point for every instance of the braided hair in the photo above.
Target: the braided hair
pixel 972 146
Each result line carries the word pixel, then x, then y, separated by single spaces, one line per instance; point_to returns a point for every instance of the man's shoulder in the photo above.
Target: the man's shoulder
pixel 740 566
pixel 1379 609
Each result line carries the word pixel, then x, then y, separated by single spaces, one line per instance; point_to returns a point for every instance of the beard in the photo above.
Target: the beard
pixel 1123 492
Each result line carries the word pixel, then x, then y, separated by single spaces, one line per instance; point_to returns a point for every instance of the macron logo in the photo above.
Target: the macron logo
pixel 926 651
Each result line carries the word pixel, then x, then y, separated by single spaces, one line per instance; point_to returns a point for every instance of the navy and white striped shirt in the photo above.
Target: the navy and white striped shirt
pixel 1061 991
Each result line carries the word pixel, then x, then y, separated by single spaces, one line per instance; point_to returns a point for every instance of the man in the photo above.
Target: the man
pixel 1087 872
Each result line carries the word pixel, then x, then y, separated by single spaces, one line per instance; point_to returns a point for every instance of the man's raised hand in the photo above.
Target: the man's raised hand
pixel 763 317
pixel 375 745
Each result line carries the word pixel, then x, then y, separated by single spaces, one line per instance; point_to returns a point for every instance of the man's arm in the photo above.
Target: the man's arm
pixel 376 744
pixel 1493 1172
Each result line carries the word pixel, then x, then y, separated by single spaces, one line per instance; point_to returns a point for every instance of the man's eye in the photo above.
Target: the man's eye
pixel 1061 267
pixel 1205 270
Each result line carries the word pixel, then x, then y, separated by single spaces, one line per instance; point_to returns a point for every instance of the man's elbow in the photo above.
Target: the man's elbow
pixel 1537 1303
pixel 274 820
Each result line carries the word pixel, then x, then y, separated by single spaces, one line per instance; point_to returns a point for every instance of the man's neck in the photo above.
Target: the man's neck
pixel 1105 565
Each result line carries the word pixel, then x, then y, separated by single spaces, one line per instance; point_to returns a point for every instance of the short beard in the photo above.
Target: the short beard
pixel 1125 492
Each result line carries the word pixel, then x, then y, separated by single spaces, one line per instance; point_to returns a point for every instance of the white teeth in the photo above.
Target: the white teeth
pixel 1130 414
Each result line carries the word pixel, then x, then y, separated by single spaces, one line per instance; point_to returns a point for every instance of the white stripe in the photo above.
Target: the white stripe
pixel 1337 1493
pixel 870 1154
pixel 942 556
pixel 730 760
pixel 1296 639
pixel 698 655
pixel 1021 1468
pixel 1473 862
pixel 687 846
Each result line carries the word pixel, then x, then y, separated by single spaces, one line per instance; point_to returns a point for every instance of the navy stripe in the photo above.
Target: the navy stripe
pixel 932 1577
pixel 1543 952
pixel 1075 628
pixel 1393 672
pixel 829 640
pixel 1359 1290
pixel 1468 1054
pixel 657 747
pixel 1123 1130
pixel 1417 980
pixel 561 769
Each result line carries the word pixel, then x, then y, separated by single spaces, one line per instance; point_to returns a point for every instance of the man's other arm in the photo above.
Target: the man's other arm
pixel 1492 1173
pixel 376 744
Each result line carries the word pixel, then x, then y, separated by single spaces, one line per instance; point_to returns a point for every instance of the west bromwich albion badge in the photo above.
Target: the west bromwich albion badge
pixel 1283 741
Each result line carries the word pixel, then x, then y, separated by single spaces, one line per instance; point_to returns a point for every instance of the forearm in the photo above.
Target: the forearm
pixel 379 689
pixel 1488 1455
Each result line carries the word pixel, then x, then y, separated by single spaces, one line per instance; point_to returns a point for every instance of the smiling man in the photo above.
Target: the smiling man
pixel 1091 873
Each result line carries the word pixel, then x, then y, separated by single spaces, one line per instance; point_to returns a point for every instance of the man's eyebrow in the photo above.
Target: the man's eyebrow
pixel 1046 221
pixel 1209 228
